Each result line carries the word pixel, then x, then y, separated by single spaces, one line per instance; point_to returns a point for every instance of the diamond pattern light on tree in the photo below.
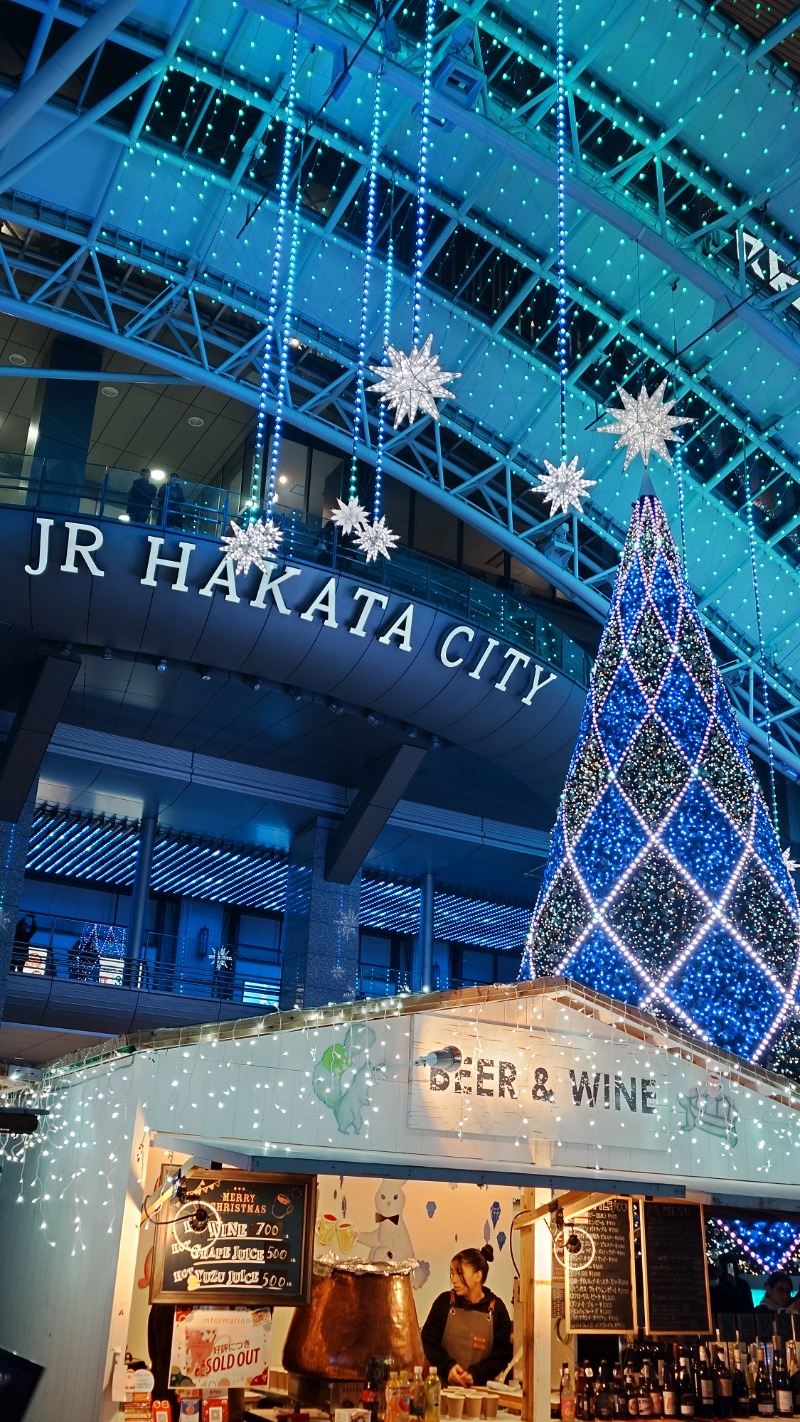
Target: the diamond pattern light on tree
pixel 769 1244
pixel 665 886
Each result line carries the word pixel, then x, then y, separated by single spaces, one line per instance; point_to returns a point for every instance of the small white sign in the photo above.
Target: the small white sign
pixel 486 1083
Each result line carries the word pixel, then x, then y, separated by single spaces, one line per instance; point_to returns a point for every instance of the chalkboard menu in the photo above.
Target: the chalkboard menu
pixel 599 1277
pixel 235 1237
pixel 676 1297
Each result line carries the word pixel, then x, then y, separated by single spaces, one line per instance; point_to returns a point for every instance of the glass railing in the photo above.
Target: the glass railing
pixel 93 490
pixel 81 951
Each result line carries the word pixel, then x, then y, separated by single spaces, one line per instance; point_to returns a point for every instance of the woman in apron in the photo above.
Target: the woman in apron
pixel 467 1334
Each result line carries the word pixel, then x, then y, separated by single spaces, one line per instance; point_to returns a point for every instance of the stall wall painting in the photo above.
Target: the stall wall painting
pixel 438 1218
pixel 341 1078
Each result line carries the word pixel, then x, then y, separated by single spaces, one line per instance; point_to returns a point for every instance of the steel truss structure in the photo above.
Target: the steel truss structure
pixel 146 92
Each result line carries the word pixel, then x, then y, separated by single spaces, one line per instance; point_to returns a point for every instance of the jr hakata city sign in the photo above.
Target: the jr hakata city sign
pixel 297 592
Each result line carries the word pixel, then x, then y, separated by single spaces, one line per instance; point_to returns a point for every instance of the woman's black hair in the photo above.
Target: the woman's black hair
pixel 478 1259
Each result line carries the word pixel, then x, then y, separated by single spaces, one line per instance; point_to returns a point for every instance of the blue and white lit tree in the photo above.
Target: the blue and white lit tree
pixel 665 886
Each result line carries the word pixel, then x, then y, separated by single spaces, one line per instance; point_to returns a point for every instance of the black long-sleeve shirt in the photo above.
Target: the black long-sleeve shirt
pixel 436 1322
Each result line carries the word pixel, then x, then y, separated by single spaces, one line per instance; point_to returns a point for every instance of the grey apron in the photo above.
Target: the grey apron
pixel 469 1334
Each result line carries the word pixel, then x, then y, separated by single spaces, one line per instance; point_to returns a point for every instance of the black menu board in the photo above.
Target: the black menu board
pixel 676 1297
pixel 600 1285
pixel 235 1237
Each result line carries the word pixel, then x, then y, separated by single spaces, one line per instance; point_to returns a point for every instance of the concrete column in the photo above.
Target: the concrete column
pixel 319 960
pixel 65 426
pixel 423 947
pixel 13 854
pixel 140 896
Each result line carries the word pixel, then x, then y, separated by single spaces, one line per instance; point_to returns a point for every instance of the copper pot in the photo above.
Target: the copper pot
pixel 355 1312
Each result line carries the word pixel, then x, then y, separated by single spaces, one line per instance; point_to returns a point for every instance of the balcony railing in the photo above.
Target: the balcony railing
pixel 96 953
pixel 98 491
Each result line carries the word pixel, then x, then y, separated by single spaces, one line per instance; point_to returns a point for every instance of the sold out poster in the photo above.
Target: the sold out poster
pixel 220 1347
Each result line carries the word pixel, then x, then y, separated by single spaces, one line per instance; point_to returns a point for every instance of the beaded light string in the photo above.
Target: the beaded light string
pixel 422 176
pixel 369 250
pixel 562 299
pixel 286 330
pixel 677 460
pixel 277 262
pixel 387 326
pixel 751 536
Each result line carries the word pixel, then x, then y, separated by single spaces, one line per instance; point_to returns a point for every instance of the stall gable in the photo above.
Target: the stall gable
pixel 538 1080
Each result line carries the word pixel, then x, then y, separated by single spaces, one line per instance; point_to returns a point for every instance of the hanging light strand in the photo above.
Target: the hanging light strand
pixel 369 251
pixel 678 462
pixel 387 326
pixel 422 178
pixel 561 227
pixel 284 187
pixel 751 536
pixel 286 331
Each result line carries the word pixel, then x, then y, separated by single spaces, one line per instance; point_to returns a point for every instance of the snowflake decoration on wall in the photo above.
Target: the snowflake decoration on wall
pixel 376 539
pixel 644 424
pixel 792 865
pixel 350 517
pixel 413 382
pixel 564 485
pixel 255 543
pixel 222 958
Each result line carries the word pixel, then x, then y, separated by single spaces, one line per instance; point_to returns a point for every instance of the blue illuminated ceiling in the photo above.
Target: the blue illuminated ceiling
pixel 138 210
pixel 102 850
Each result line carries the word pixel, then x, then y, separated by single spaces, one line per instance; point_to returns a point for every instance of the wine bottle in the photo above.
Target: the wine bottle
pixel 765 1396
pixel 741 1392
pixel 645 1390
pixel 781 1384
pixel 670 1392
pixel 723 1385
pixel 687 1401
pixel 567 1395
pixel 604 1401
pixel 705 1380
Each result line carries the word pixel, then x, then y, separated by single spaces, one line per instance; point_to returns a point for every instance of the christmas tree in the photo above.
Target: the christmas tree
pixel 665 886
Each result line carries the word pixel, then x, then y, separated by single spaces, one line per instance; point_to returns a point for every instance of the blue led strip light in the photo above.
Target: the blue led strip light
pixel 665 885
pixel 277 261
pixel 369 249
pixel 751 536
pixel 422 177
pixel 387 326
pixel 286 329
pixel 561 225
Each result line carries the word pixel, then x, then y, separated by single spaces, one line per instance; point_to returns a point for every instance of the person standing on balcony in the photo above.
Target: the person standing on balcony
pixel 140 498
pixel 169 503
pixel 23 933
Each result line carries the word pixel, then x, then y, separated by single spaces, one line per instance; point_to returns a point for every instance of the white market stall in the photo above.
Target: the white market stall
pixel 544 1086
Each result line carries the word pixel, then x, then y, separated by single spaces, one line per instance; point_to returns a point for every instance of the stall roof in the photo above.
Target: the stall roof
pixel 542 1082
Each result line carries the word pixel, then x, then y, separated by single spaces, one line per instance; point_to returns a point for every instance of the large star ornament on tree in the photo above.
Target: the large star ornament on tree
pixel 564 485
pixel 413 382
pixel 255 543
pixel 644 425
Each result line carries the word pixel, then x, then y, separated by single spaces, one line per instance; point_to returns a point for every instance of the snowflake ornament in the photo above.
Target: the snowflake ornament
pixel 792 865
pixel 644 425
pixel 564 486
pixel 375 538
pixel 255 543
pixel 222 958
pixel 413 382
pixel 350 517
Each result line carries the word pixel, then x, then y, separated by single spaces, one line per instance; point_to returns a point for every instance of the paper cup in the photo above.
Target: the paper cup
pixel 490 1401
pixel 472 1404
pixel 455 1404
